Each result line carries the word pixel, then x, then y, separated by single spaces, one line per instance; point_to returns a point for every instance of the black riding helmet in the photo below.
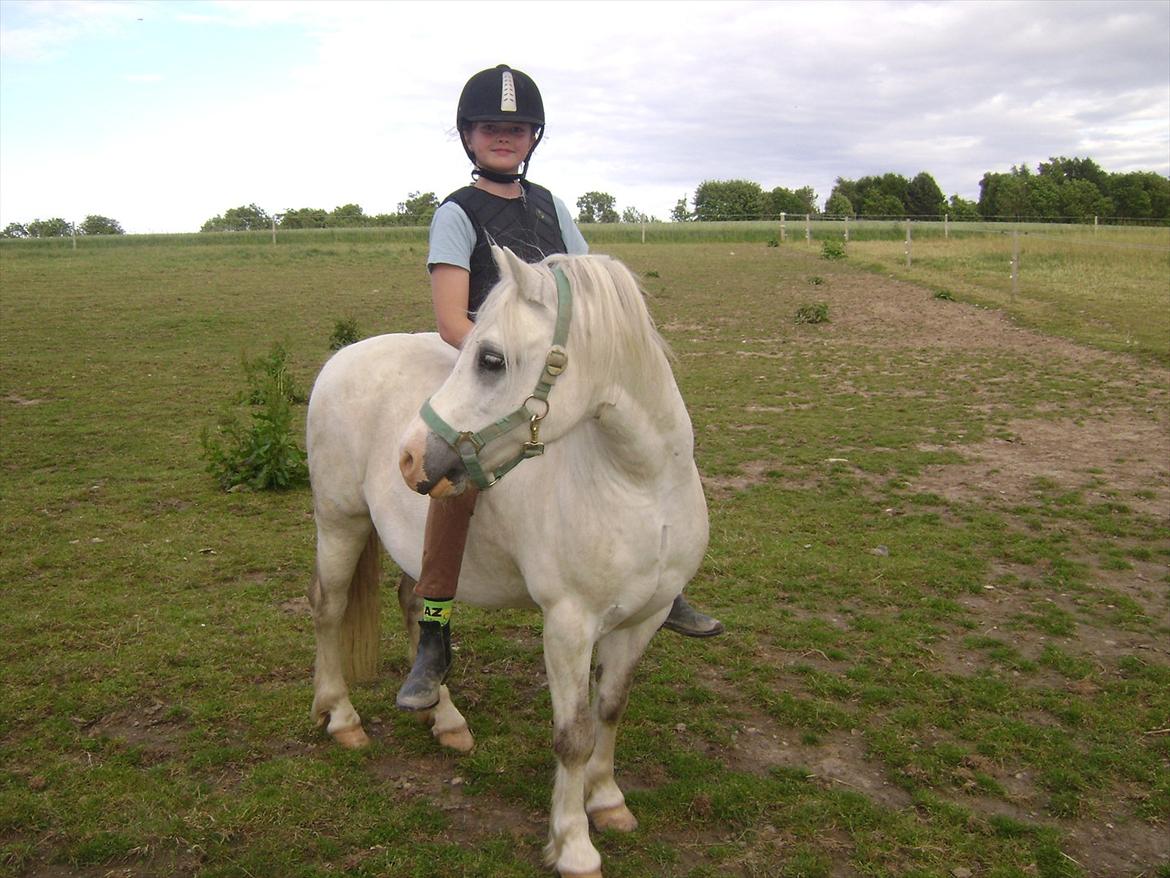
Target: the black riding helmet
pixel 501 94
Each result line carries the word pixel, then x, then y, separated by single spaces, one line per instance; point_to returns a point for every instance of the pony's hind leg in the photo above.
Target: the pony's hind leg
pixel 338 551
pixel 617 657
pixel 447 724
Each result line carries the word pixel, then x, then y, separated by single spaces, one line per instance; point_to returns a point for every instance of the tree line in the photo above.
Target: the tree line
pixel 1067 189
pixel 59 228
pixel 1064 189
pixel 416 210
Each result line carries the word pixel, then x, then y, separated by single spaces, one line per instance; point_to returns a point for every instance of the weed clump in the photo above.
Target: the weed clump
pixel 345 332
pixel 264 453
pixel 832 249
pixel 817 312
pixel 270 370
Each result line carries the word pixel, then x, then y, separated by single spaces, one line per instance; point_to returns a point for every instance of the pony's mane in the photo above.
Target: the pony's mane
pixel 612 328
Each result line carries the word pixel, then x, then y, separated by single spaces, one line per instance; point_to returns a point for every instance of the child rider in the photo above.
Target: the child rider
pixel 500 120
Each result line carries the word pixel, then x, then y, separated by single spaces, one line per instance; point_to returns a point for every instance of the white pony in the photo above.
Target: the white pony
pixel 600 529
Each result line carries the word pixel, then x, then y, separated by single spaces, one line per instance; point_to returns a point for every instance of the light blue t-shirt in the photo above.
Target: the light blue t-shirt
pixel 452 236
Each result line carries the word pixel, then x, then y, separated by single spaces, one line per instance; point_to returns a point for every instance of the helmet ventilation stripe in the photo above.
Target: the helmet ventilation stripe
pixel 508 93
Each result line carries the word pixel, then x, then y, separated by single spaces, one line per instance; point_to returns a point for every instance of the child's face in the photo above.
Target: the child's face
pixel 500 146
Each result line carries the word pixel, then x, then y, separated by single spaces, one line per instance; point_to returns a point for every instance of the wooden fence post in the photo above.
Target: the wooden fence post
pixel 807 230
pixel 1015 263
pixel 907 242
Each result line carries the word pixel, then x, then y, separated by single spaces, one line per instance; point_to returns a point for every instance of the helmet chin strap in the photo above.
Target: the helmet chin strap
pixel 494 177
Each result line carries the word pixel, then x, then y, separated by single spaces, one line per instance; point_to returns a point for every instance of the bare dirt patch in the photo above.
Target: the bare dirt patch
pixel 1131 453
pixel 751 473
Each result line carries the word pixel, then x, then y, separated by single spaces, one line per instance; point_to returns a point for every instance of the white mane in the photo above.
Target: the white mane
pixel 612 337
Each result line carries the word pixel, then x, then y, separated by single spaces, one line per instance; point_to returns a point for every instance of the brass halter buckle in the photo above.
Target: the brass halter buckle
pixel 534 447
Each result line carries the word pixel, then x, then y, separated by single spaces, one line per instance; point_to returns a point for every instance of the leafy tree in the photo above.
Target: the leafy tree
pixel 347 216
pixel 881 204
pixel 962 210
pixel 1043 197
pixel 680 213
pixel 729 200
pixel 781 200
pixel 924 198
pixel 239 219
pixel 1080 200
pixel 14 230
pixel 848 190
pixel 1140 195
pixel 1064 170
pixel 596 207
pixel 1003 195
pixel 50 228
pixel 838 204
pixel 886 195
pixel 304 218
pixel 101 225
pixel 418 209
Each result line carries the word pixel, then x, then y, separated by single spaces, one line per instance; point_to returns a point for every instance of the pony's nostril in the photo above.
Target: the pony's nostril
pixel 406 462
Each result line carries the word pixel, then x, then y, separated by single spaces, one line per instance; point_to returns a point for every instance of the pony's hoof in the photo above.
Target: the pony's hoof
pixel 352 738
pixel 596 874
pixel 457 739
pixel 619 818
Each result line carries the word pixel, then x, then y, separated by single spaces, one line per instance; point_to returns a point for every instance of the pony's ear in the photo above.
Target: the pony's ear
pixel 512 266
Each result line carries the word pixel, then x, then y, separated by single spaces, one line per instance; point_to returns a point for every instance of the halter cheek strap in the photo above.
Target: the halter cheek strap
pixel 469 445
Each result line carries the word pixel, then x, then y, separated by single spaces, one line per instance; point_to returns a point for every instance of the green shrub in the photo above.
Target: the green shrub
pixel 270 373
pixel 345 332
pixel 817 312
pixel 263 454
pixel 832 249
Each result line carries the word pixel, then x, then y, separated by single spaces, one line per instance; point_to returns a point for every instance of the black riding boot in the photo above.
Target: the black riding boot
pixel 685 619
pixel 431 664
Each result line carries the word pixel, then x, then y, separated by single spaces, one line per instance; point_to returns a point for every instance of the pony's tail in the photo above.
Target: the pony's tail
pixel 361 625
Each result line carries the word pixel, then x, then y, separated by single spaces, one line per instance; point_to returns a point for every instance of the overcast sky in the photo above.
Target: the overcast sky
pixel 164 113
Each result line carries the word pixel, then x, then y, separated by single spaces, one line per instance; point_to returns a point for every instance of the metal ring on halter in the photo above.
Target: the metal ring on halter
pixel 469 437
pixel 534 415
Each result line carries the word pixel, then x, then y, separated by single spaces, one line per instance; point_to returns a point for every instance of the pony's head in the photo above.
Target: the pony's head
pixel 507 396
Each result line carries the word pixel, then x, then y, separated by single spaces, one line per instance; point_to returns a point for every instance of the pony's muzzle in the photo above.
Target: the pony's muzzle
pixel 430 466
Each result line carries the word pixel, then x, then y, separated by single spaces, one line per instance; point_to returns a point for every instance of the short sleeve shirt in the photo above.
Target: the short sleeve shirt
pixel 452 236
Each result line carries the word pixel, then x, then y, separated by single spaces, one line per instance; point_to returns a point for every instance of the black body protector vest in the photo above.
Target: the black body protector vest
pixel 527 226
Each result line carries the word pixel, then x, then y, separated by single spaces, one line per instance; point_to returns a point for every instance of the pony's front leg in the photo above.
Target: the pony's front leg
pixel 568 648
pixel 338 550
pixel 446 722
pixel 618 653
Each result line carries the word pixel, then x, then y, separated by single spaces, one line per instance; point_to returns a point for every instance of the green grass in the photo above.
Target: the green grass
pixel 914 679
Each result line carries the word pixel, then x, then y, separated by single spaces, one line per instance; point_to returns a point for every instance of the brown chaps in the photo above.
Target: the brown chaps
pixel 448 520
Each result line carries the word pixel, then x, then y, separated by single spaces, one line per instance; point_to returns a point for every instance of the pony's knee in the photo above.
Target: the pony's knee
pixel 573 741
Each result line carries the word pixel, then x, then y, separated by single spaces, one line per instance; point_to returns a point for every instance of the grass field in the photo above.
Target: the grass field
pixel 940 543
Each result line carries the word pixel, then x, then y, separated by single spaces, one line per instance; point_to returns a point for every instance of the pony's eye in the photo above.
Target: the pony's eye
pixel 490 361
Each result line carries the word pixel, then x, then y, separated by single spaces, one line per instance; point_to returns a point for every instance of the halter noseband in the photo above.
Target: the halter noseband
pixel 468 445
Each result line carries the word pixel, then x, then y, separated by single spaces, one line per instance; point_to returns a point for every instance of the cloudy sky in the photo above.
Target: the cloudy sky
pixel 164 113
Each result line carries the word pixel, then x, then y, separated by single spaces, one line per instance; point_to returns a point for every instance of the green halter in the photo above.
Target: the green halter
pixel 469 445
